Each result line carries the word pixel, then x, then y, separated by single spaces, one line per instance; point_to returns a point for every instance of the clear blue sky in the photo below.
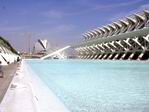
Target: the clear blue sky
pixel 62 22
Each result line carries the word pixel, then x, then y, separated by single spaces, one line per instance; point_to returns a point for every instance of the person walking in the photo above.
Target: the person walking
pixel 1 70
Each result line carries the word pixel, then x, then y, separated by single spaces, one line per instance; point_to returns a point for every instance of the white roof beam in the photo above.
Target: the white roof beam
pixel 132 24
pixel 141 21
pixel 117 27
pixel 106 31
pixel 124 26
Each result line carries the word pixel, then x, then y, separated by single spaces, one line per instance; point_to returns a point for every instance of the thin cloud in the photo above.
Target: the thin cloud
pixel 56 31
pixel 64 28
pixel 123 14
pixel 145 6
pixel 118 16
pixel 97 7
pixel 47 22
pixel 54 14
pixel 91 7
pixel 141 8
pixel 12 28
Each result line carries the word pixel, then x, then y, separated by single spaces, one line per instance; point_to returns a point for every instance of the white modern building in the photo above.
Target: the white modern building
pixel 41 46
pixel 7 54
pixel 127 38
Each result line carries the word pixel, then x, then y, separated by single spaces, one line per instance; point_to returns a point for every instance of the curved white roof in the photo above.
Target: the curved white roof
pixel 91 34
pixel 131 20
pixel 98 31
pixel 126 24
pixel 95 33
pixel 140 17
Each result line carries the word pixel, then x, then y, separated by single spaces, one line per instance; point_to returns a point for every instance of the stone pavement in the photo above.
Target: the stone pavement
pixel 9 72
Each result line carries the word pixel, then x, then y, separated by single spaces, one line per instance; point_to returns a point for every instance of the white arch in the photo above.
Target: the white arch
pixel 55 53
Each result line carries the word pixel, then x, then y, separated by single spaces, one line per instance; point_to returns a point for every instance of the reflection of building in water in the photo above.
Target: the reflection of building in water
pixel 127 38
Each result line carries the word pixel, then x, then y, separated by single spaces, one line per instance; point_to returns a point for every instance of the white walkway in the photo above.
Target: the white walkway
pixel 27 93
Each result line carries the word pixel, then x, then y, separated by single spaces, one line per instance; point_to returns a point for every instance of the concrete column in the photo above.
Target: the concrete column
pixel 83 57
pixel 96 47
pixel 104 56
pixel 92 56
pixel 92 47
pixel 123 56
pixel 107 57
pixel 88 56
pixel 141 55
pixel 146 38
pixel 112 43
pixel 130 57
pixel 100 56
pixel 106 48
pixel 101 46
pixel 95 56
pixel 127 42
pixel 115 56
pixel 135 44
pixel 106 44
pixel 101 49
pixel 89 49
pixel 81 49
pixel 136 40
pixel 119 42
pixel 86 49
pixel 124 43
pixel 110 56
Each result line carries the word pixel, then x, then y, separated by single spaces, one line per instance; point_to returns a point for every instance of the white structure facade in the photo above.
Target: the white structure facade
pixel 7 56
pixel 126 38
pixel 41 46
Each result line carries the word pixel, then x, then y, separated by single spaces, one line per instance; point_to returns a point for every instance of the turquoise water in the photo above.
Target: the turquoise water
pixel 97 86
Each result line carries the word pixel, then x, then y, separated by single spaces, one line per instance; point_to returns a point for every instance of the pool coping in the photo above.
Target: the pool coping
pixel 29 94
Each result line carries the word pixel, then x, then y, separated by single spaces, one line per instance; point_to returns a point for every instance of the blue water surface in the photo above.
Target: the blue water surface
pixel 97 86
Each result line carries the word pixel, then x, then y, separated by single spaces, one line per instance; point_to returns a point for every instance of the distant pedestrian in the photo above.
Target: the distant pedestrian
pixel 1 70
pixel 18 59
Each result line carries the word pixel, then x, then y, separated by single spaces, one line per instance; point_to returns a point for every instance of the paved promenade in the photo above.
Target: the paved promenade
pixel 9 72
pixel 29 94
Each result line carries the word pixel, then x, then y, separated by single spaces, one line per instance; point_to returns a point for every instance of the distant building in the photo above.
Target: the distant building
pixel 41 47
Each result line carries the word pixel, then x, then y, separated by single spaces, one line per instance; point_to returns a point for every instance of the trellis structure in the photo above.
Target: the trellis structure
pixel 127 38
